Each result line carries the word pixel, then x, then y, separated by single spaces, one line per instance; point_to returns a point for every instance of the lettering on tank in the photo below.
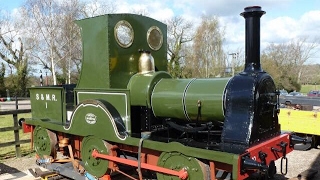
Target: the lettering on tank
pixel 46 97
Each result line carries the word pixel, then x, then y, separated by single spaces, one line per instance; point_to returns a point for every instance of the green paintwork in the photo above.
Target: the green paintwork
pixel 48 103
pixel 141 86
pixel 218 156
pixel 108 64
pixel 178 98
pixel 42 143
pixel 102 128
pixel 96 167
pixel 176 161
pixel 119 98
pixel 109 74
pixel 102 123
pixel 109 136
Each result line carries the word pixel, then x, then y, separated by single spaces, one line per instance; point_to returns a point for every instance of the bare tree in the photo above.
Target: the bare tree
pixel 179 34
pixel 2 85
pixel 96 8
pixel 209 56
pixel 44 14
pixel 70 34
pixel 13 52
pixel 142 11
pixel 311 74
pixel 58 38
pixel 302 50
pixel 285 61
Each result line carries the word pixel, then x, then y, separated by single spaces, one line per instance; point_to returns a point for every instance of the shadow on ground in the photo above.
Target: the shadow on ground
pixel 314 168
pixel 10 173
pixel 7 169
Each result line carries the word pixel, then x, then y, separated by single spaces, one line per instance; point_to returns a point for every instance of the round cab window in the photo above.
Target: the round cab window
pixel 123 33
pixel 154 38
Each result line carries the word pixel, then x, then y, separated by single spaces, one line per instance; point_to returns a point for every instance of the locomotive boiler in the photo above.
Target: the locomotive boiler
pixel 126 111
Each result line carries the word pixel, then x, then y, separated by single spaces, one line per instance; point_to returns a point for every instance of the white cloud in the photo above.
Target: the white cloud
pixel 223 7
pixel 281 29
pixel 154 9
pixel 275 27
pixel 310 24
pixel 166 13
pixel 284 29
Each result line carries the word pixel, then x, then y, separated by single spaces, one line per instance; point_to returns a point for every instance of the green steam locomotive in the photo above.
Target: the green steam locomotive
pixel 126 111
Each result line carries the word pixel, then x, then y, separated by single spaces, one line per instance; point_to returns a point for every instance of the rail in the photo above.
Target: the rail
pixel 12 108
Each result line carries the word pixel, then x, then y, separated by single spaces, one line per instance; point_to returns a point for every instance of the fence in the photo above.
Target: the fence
pixel 12 108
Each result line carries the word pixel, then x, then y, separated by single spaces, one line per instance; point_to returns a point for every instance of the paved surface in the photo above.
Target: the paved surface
pixel 315 101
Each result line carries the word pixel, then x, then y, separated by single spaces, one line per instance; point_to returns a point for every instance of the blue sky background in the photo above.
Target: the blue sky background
pixel 10 4
pixel 285 20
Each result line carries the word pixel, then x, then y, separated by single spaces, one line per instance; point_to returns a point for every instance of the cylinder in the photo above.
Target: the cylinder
pixel 141 86
pixel 189 99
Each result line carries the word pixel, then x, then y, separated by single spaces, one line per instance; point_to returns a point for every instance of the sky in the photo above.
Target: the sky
pixel 284 20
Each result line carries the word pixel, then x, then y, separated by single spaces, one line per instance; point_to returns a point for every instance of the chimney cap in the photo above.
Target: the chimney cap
pixel 252 9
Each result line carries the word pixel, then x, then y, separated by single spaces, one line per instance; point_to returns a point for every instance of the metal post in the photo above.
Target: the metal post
pixel 41 79
pixel 46 70
pixel 69 72
pixel 46 78
pixel 16 103
pixel 8 95
pixel 234 58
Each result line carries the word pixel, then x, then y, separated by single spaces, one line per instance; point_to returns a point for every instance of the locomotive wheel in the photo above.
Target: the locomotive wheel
pixel 97 167
pixel 176 161
pixel 44 142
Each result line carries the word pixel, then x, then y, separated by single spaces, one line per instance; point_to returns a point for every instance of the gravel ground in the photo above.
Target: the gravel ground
pixel 15 165
pixel 298 161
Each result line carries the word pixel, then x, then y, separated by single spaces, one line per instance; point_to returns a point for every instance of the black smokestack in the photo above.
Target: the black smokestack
pixel 252 15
